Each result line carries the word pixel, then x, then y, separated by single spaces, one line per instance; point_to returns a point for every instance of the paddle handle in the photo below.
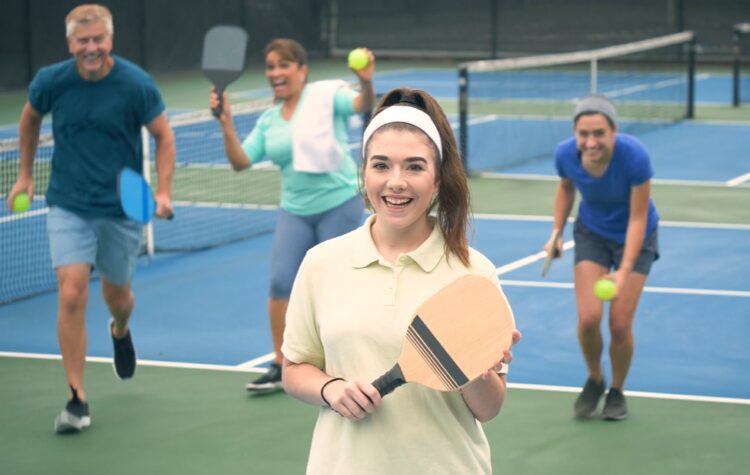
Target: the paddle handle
pixel 216 111
pixel 555 250
pixel 389 381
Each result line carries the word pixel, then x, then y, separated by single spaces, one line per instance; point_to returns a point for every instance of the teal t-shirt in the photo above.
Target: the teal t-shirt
pixel 304 193
pixel 96 126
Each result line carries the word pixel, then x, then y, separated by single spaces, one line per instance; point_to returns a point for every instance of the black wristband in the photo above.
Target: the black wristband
pixel 323 388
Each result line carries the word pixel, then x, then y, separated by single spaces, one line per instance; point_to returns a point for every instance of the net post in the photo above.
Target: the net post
pixel 146 170
pixel 594 75
pixel 463 112
pixel 736 66
pixel 692 47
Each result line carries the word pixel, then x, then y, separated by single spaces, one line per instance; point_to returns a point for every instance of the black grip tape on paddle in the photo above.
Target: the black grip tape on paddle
pixel 389 381
pixel 216 111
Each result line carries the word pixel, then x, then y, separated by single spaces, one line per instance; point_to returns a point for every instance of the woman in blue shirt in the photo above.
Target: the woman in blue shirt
pixel 616 228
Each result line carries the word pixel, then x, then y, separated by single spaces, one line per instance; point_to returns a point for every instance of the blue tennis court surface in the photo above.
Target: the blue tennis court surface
pixel 210 308
pixel 688 150
pixel 695 151
pixel 692 316
pixel 443 83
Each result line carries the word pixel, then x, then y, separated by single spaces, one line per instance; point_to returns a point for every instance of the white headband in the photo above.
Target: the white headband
pixel 407 115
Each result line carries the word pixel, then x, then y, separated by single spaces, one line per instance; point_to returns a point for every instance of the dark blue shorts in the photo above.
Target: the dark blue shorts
pixel 593 247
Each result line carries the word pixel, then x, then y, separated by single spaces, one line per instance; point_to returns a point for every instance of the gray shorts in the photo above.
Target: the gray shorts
pixel 295 235
pixel 593 247
pixel 109 244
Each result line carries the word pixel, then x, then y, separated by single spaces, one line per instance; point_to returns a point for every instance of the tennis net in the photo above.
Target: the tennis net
pixel 741 64
pixel 213 204
pixel 516 110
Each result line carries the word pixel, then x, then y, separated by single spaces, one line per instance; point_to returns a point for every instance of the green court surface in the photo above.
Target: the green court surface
pixel 697 203
pixel 180 421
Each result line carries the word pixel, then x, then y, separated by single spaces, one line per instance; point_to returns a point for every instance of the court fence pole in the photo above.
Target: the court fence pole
pixel 737 32
pixel 493 29
pixel 693 46
pixel 463 112
pixel 736 67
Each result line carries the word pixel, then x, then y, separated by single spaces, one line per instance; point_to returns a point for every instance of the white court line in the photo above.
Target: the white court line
pixel 243 368
pixel 668 224
pixel 252 364
pixel 739 180
pixel 221 205
pixel 692 224
pixel 705 183
pixel 677 397
pixel 511 217
pixel 529 259
pixel 268 357
pixel 653 290
pixel 645 87
pixel 24 215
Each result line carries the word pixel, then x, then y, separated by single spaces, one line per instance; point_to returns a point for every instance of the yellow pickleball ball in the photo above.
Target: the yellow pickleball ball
pixel 605 289
pixel 358 59
pixel 21 203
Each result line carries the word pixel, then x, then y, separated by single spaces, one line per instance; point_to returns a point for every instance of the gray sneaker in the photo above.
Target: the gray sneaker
pixel 74 418
pixel 615 407
pixel 585 405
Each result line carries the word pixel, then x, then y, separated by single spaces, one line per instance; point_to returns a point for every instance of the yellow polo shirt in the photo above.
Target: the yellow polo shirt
pixel 348 314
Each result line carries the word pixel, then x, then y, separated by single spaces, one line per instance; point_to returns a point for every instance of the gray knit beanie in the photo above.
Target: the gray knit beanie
pixel 596 103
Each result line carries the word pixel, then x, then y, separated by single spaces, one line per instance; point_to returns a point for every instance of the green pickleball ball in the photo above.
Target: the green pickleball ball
pixel 358 59
pixel 605 289
pixel 21 203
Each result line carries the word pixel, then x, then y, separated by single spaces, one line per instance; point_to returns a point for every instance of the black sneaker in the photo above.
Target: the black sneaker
pixel 615 407
pixel 124 361
pixel 587 401
pixel 268 382
pixel 74 418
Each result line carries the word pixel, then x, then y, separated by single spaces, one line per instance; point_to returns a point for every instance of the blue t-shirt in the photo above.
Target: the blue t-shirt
pixel 96 128
pixel 605 201
pixel 302 193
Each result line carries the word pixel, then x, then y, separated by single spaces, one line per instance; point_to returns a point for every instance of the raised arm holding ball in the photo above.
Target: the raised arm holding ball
pixel 305 135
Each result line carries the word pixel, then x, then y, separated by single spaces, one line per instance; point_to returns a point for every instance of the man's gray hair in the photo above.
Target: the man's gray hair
pixel 86 15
